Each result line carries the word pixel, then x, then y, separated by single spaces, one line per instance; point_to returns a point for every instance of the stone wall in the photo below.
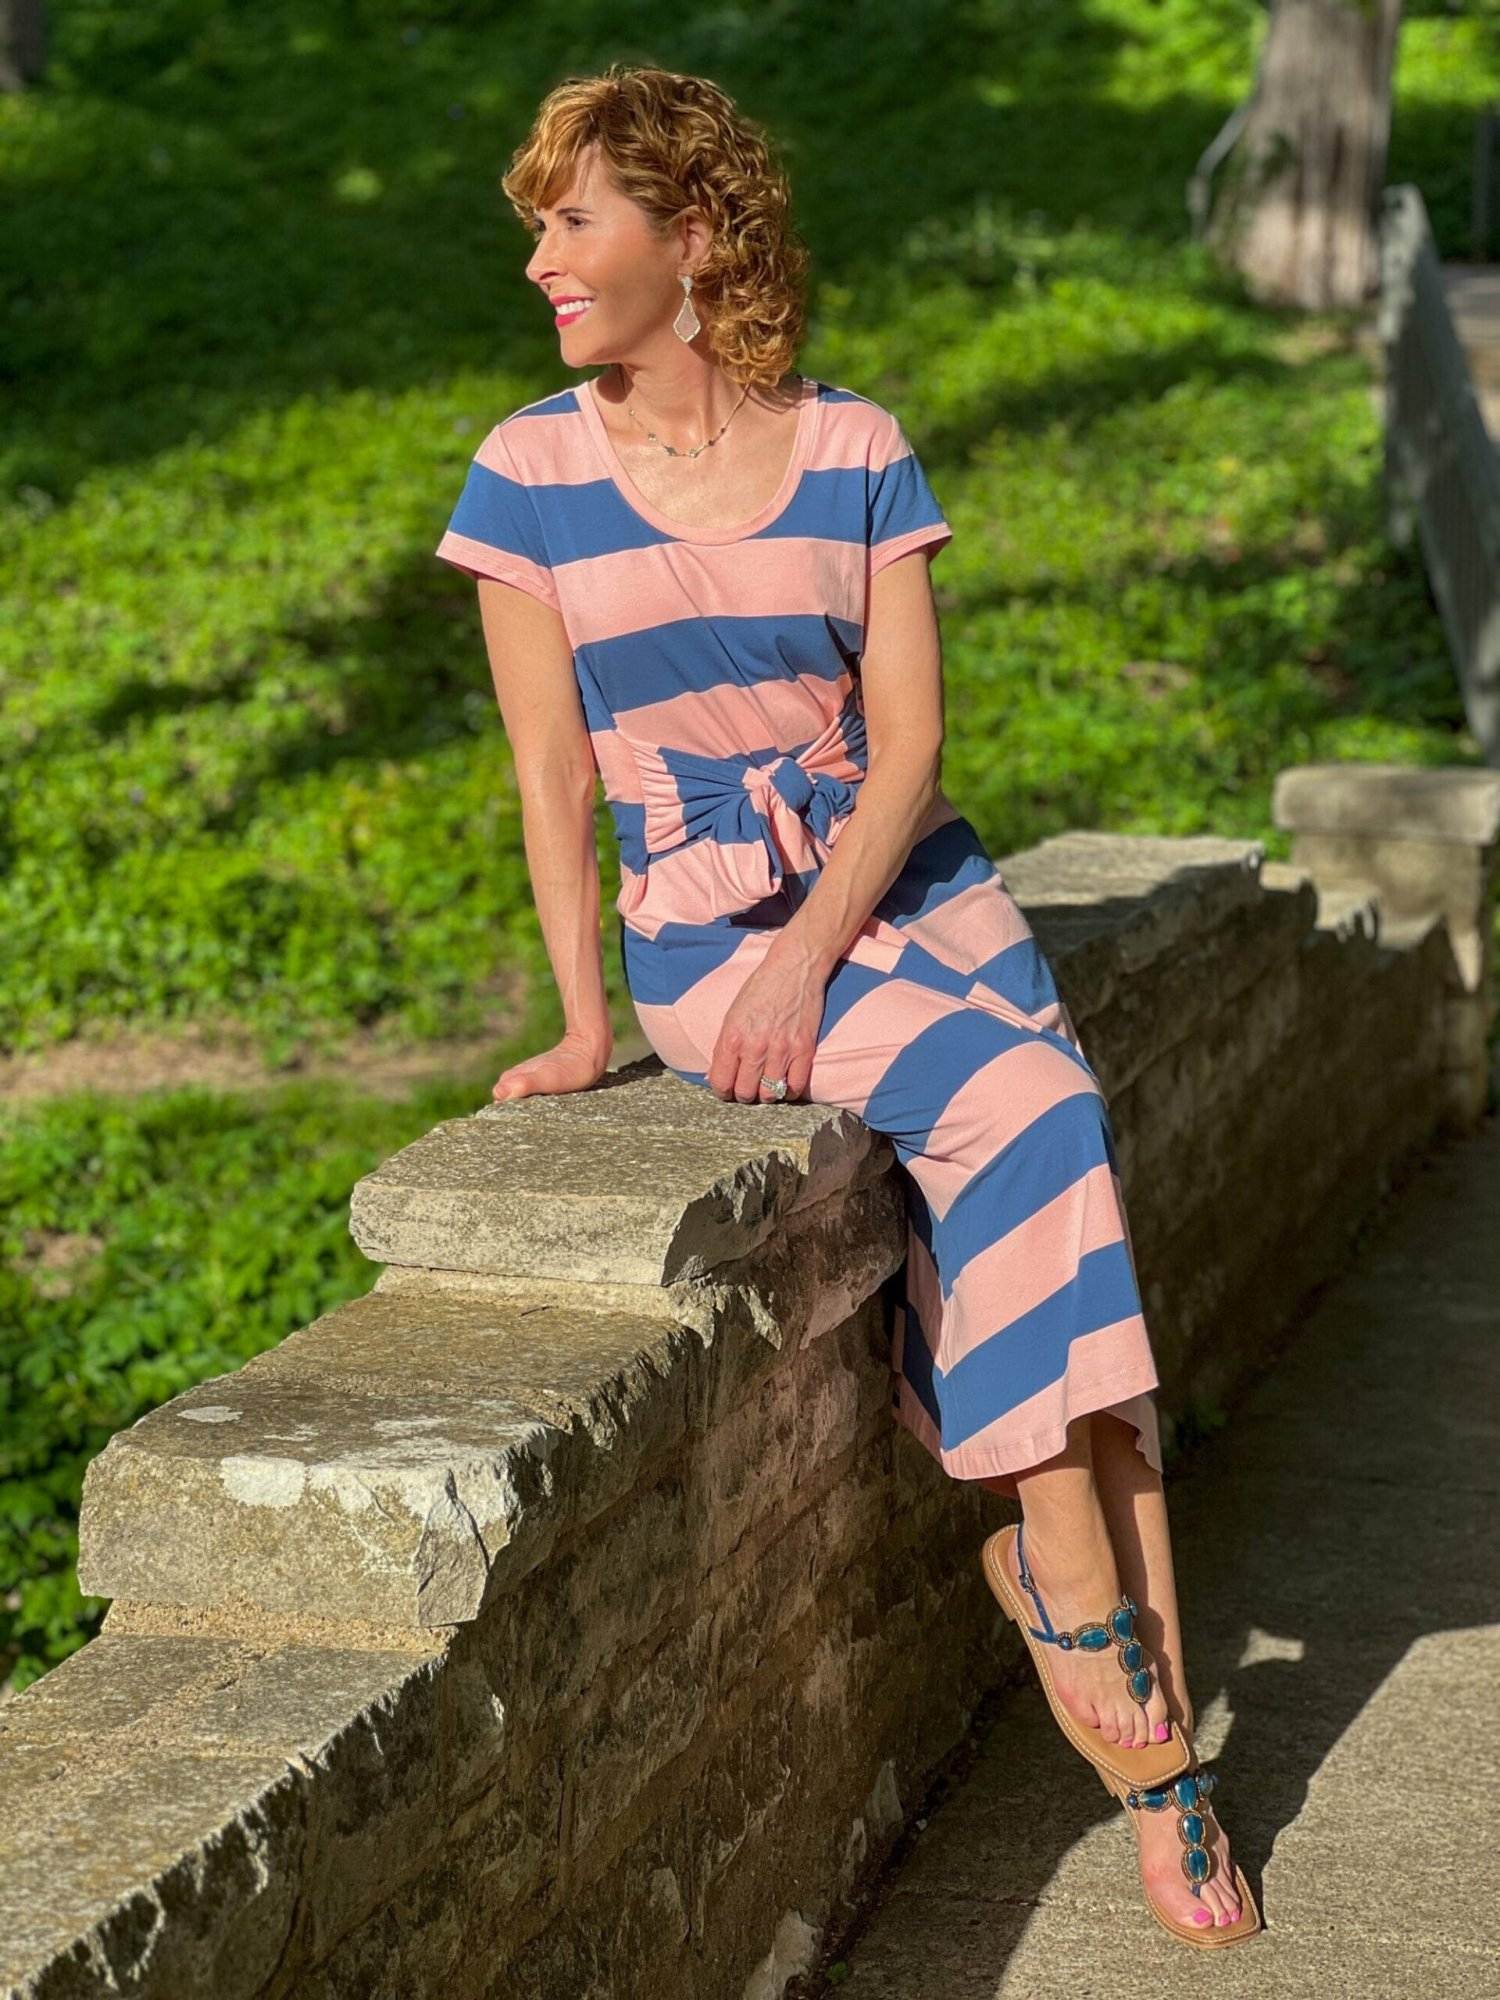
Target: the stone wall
pixel 568 1616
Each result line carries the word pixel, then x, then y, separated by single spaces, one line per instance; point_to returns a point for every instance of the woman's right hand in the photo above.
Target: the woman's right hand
pixel 572 1064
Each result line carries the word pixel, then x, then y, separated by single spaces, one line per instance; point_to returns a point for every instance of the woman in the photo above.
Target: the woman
pixel 705 579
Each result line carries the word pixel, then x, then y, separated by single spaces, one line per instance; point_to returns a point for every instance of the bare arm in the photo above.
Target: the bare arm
pixel 901 675
pixel 531 664
pixel 771 1027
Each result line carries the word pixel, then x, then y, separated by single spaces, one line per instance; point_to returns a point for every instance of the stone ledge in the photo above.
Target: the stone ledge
pixel 1105 906
pixel 643 1179
pixel 251 1793
pixel 1390 801
pixel 419 1450
pixel 748 1597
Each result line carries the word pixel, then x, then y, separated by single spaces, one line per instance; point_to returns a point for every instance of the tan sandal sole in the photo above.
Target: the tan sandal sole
pixel 1206 1937
pixel 1154 1764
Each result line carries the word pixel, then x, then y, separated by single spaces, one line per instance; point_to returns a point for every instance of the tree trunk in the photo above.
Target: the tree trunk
pixel 1298 214
pixel 23 42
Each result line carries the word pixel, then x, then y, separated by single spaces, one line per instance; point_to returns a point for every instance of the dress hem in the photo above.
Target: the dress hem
pixel 1041 1445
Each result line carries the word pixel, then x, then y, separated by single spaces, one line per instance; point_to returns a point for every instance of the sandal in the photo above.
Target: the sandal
pixel 1153 1763
pixel 1187 1795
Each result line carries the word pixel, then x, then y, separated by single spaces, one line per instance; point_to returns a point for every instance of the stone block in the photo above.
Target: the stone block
pixel 298 1496
pixel 537 1191
pixel 1454 803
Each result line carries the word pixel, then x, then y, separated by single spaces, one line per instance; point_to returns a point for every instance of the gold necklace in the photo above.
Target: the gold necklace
pixel 693 450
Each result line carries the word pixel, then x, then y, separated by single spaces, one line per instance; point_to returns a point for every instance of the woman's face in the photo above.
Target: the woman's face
pixel 595 244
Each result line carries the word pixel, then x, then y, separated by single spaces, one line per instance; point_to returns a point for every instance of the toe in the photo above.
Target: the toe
pixel 1155 1712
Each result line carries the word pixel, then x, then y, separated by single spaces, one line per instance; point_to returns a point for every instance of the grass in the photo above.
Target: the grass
pixel 267 300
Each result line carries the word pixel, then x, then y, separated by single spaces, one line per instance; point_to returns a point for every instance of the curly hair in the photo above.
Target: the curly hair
pixel 671 143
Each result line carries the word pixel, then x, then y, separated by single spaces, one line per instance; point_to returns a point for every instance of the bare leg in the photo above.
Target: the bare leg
pixel 1096 1525
pixel 1135 1507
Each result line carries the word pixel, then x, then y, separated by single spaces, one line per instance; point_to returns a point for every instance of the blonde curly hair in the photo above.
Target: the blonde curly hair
pixel 671 143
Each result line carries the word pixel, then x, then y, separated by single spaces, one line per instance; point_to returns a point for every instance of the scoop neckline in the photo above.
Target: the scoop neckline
pixel 680 530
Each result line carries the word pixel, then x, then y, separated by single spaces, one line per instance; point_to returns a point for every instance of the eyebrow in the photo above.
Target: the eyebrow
pixel 570 209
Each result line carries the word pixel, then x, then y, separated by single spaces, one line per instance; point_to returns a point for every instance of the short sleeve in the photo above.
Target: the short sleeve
pixel 495 530
pixel 903 510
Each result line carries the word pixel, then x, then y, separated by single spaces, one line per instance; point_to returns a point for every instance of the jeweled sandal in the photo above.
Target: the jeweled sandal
pixel 1187 1795
pixel 1153 1763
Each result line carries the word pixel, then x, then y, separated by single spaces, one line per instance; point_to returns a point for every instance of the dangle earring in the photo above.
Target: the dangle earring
pixel 687 323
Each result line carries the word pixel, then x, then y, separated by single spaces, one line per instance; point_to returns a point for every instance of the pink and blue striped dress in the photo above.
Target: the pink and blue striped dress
pixel 719 676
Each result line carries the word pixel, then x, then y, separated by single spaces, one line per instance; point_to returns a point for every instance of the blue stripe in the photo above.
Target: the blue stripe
pixel 1032 1351
pixel 1050 1155
pixel 938 1061
pixel 696 655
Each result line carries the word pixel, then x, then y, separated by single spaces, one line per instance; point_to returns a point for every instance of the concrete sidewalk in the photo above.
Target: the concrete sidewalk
pixel 1338 1562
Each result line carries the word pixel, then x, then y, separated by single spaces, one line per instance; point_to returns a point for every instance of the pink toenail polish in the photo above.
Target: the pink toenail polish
pixel 1202 1917
pixel 1163 1731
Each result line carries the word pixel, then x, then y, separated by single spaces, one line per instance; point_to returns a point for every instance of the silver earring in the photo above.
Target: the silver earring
pixel 687 323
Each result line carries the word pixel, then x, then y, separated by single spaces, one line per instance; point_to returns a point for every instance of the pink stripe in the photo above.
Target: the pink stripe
pixel 995 1106
pixel 968 929
pixel 666 1034
pixel 615 760
pixel 1102 1367
pixel 634 590
pixel 856 1051
pixel 1030 1262
pixel 727 720
pixel 556 448
pixel 932 537
pixel 700 1011
pixel 705 879
pixel 968 1463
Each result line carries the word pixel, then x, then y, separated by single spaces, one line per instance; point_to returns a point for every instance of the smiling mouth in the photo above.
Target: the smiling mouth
pixel 566 314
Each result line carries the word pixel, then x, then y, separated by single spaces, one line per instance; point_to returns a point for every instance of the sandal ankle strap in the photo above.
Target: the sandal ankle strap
pixel 1118 1628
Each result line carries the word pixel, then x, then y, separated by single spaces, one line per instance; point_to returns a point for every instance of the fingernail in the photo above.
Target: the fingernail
pixel 1202 1917
pixel 1163 1731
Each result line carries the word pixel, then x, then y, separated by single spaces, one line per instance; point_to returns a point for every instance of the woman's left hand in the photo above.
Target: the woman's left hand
pixel 771 1029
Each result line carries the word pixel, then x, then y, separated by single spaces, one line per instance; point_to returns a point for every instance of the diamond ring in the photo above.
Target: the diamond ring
pixel 776 1085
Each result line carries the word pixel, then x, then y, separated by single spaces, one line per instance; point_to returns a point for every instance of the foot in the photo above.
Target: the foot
pixel 1090 1686
pixel 1217 1902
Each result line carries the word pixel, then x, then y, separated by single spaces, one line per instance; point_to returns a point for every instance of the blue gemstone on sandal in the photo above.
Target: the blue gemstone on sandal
pixel 1154 1801
pixel 1195 1861
pixel 1185 1789
pixel 1132 1655
pixel 1140 1684
pixel 1121 1622
pixel 1094 1637
pixel 1190 1826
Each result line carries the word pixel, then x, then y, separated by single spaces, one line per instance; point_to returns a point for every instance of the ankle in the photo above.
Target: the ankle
pixel 1071 1565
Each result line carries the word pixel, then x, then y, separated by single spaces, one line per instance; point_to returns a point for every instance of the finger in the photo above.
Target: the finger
pixel 747 1078
pixel 799 1073
pixel 722 1070
pixel 774 1065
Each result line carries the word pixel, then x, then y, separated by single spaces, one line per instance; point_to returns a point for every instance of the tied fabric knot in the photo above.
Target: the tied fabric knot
pixel 774 818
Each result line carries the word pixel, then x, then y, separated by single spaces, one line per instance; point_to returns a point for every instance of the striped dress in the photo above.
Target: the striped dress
pixel 719 677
